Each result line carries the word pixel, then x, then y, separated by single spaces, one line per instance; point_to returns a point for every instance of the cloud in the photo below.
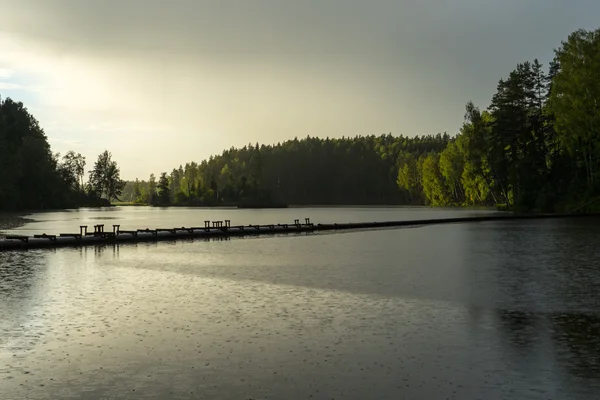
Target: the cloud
pixel 5 73
pixel 171 82
pixel 10 86
pixel 18 87
pixel 68 143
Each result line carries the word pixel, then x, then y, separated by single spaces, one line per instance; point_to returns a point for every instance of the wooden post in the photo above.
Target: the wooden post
pixel 207 224
pixel 82 228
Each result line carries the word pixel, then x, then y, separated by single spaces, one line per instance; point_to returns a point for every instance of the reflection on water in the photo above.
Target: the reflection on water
pixel 577 338
pixel 521 329
pixel 574 340
pixel 466 311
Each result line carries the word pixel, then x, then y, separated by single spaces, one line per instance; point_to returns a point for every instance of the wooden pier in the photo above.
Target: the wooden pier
pixel 214 229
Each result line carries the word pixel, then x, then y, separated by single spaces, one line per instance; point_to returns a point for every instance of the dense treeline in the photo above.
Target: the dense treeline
pixel 361 170
pixel 535 147
pixel 33 178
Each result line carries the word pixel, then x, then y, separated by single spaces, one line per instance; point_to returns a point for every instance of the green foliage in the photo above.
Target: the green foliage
pixel 105 180
pixel 31 177
pixel 73 169
pixel 409 177
pixel 137 191
pixel 360 170
pixel 575 104
pixel 164 193
pixel 435 186
pixel 538 147
pixel 451 166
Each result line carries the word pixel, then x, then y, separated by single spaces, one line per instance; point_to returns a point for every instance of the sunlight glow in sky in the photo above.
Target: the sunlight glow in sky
pixel 160 83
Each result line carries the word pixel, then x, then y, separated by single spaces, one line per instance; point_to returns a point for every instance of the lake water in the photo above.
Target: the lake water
pixel 494 310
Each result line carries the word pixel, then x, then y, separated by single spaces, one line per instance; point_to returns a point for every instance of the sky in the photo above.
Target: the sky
pixel 162 83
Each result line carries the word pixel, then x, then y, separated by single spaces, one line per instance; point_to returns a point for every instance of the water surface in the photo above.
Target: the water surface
pixel 490 310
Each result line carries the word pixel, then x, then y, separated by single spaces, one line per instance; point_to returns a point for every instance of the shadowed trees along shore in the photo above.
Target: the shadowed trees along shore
pixel 31 176
pixel 536 147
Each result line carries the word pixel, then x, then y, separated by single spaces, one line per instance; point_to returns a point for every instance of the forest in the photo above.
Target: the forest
pixel 34 178
pixel 536 147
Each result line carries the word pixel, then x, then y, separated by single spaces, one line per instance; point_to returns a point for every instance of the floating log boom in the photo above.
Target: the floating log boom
pixel 224 229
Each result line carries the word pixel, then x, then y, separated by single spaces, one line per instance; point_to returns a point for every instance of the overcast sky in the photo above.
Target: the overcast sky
pixel 159 83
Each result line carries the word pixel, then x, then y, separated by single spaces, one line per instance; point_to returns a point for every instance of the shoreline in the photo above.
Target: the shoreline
pixel 316 205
